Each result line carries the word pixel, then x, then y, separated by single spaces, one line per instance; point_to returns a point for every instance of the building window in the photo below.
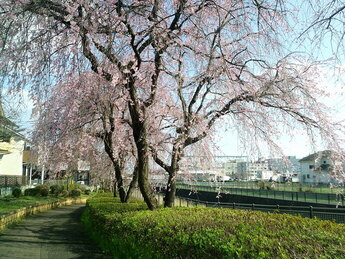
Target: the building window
pixel 308 176
pixel 311 166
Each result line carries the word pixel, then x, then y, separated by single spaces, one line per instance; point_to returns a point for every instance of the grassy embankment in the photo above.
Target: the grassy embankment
pixel 8 204
pixel 39 195
pixel 132 231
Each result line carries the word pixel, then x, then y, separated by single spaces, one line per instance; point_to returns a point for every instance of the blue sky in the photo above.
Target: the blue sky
pixel 229 143
pixel 317 46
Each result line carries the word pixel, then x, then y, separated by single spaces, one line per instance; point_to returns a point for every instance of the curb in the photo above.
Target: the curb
pixel 16 215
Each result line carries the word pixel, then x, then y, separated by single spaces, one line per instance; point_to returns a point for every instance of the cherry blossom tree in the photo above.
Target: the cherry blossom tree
pixel 79 113
pixel 262 106
pixel 325 26
pixel 180 65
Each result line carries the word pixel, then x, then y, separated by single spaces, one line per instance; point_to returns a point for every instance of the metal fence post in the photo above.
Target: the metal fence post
pixel 253 206
pixel 329 199
pixel 311 214
pixel 234 205
pixel 316 197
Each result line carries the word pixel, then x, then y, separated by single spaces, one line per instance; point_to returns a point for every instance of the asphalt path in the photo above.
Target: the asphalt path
pixel 54 234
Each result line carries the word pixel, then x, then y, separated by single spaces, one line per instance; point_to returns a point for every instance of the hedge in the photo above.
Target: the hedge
pixel 132 231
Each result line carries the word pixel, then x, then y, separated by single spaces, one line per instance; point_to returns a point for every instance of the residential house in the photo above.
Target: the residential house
pixel 11 151
pixel 30 162
pixel 320 168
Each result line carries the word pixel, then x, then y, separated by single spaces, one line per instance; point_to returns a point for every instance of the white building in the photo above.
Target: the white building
pixel 11 156
pixel 259 170
pixel 202 168
pixel 11 148
pixel 236 167
pixel 320 167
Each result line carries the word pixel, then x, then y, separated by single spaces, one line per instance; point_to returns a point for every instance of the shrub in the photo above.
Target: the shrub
pixel 39 190
pixel 87 192
pixel 64 193
pixel 32 192
pixel 44 192
pixel 75 193
pixel 131 231
pixel 56 189
pixel 265 185
pixel 261 185
pixel 41 186
pixel 76 186
pixel 17 192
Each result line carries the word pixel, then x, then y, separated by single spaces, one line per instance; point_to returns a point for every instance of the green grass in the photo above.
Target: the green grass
pixel 6 205
pixel 131 231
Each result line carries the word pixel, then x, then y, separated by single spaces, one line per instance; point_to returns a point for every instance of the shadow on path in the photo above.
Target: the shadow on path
pixel 56 233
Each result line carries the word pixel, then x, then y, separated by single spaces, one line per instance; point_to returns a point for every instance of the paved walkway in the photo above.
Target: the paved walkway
pixel 56 233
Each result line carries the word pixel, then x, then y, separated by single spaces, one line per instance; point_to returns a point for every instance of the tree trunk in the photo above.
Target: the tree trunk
pixel 170 192
pixel 137 113
pixel 108 146
pixel 119 181
pixel 139 133
pixel 115 188
pixel 143 177
pixel 133 183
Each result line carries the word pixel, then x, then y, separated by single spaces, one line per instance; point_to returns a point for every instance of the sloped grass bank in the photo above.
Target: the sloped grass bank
pixel 131 231
pixel 7 205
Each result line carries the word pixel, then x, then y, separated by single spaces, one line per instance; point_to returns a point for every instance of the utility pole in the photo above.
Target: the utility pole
pixel 26 172
pixel 30 177
pixel 42 175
